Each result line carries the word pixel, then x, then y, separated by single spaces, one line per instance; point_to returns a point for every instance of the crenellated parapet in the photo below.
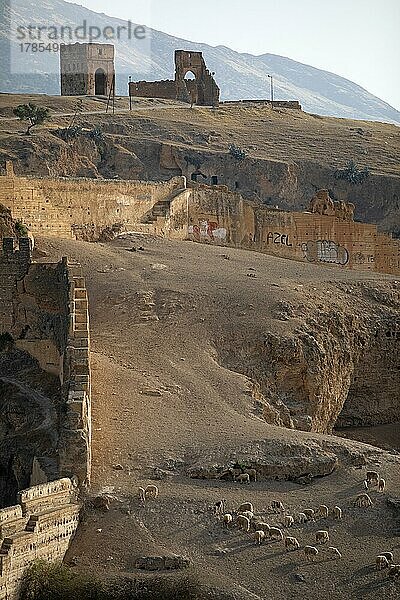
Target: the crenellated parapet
pixel 75 452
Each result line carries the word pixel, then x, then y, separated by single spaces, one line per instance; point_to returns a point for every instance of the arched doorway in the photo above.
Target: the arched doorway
pixel 191 86
pixel 100 83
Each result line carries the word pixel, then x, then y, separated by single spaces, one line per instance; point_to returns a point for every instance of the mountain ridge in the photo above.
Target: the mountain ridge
pixel 239 75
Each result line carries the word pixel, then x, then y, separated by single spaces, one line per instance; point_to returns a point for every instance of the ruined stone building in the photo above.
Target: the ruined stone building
pixel 201 89
pixel 86 69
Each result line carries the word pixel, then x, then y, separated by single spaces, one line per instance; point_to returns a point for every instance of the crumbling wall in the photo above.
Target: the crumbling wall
pixel 40 526
pixel 153 89
pixel 44 362
pixel 219 216
pixel 202 90
pixel 81 208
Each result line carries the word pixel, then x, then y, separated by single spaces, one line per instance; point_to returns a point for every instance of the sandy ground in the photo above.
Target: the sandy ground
pixel 161 398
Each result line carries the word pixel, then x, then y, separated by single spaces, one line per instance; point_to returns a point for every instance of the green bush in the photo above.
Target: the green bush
pixel 21 229
pixel 35 115
pixel 352 173
pixel 237 152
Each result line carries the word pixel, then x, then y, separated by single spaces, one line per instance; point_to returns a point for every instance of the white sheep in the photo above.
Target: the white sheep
pixel 372 477
pixel 381 562
pixel 142 495
pixel 275 533
pixel 227 519
pixel 243 523
pixel 248 514
pixel 246 506
pixel 291 543
pixel 323 511
pixel 337 512
pixel 301 518
pixel 388 555
pixel 277 506
pixel 243 478
pixel 322 536
pixel 310 515
pixel 381 485
pixel 363 500
pixel 151 491
pixel 259 536
pixel 334 552
pixel 252 473
pixel 288 521
pixel 261 526
pixel 310 552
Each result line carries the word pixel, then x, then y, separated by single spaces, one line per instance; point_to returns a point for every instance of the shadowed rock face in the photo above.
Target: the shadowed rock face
pixel 335 370
pixel 7 228
pixel 29 422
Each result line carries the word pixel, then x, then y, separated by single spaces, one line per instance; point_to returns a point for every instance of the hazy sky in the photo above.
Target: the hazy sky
pixel 358 39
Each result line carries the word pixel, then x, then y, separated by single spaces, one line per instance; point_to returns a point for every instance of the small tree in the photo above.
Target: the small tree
pixel 35 115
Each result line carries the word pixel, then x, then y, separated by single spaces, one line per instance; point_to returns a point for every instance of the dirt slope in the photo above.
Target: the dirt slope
pixel 161 399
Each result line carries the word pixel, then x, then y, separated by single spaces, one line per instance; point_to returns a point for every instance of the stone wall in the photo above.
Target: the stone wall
pixel 81 208
pixel 44 361
pixel 89 208
pixel 153 89
pixel 219 216
pixel 293 104
pixel 40 526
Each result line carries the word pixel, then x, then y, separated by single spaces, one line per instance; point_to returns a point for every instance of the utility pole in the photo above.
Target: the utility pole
pixel 272 90
pixel 111 96
pixel 129 93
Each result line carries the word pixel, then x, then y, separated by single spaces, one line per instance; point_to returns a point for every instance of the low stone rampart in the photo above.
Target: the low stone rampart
pixel 78 207
pixel 40 526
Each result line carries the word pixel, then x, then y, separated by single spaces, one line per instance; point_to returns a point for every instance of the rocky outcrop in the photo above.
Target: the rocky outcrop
pixel 161 563
pixel 335 368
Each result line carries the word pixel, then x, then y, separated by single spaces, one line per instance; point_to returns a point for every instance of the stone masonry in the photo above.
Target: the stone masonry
pixel 40 526
pixel 44 311
pixel 201 90
pixel 86 69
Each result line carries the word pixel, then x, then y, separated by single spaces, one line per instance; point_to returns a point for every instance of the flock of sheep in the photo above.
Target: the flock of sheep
pixel 244 519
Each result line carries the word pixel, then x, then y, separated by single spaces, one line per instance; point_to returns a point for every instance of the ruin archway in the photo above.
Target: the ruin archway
pixel 190 81
pixel 100 83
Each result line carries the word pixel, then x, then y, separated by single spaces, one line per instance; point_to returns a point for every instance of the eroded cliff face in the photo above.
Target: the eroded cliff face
pixel 29 422
pixel 335 368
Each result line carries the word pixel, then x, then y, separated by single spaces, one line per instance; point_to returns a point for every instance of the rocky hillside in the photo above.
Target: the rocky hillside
pixel 240 76
pixel 289 154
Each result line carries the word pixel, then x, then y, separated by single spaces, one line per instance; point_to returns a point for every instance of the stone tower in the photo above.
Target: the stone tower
pixel 86 69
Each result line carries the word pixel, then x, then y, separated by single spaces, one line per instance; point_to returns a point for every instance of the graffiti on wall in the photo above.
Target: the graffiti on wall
pixel 362 259
pixel 278 238
pixel 208 231
pixel 325 251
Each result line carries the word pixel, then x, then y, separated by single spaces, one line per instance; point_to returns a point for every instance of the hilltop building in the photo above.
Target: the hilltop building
pixel 86 69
